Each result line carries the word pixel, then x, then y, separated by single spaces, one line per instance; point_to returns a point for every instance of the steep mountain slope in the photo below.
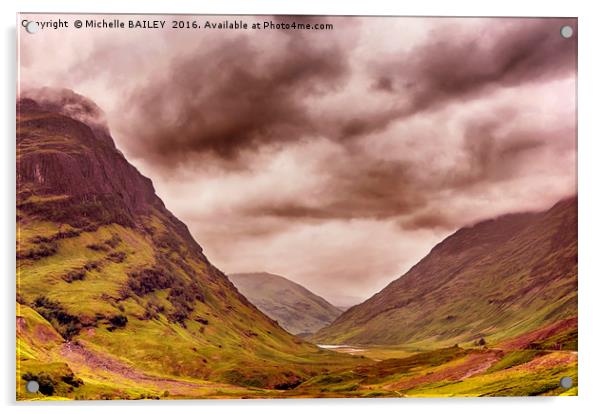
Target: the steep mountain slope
pixel 109 280
pixel 497 279
pixel 294 307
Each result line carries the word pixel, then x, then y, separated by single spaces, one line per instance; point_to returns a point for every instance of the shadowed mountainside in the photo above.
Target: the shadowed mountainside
pixel 294 307
pixel 497 279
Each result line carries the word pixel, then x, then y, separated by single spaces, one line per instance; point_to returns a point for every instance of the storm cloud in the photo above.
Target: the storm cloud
pixel 337 158
pixel 235 96
pixel 458 62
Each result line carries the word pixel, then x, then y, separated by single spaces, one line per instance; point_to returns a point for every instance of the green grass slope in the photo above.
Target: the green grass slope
pixel 122 283
pixel 293 306
pixel 497 279
pixel 531 364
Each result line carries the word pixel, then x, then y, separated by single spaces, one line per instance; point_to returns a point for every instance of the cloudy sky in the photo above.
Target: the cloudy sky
pixel 336 158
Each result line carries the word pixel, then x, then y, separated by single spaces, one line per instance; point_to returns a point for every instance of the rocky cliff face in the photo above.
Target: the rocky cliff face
pixel 84 179
pixel 58 155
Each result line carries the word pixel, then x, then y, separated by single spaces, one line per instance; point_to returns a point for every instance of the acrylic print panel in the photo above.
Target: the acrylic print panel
pixel 289 206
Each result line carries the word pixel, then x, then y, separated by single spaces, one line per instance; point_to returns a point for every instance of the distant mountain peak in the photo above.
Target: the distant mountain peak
pixel 293 306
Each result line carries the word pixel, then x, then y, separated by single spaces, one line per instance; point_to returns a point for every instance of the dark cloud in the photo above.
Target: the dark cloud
pixel 239 95
pixel 383 83
pixel 493 152
pixel 428 220
pixel 234 96
pixel 352 187
pixel 506 53
pixel 455 64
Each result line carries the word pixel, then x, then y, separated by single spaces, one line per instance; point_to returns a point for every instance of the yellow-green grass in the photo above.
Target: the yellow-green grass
pixel 44 277
pixel 448 372
pixel 38 358
pixel 206 356
pixel 524 372
pixel 516 381
pixel 220 341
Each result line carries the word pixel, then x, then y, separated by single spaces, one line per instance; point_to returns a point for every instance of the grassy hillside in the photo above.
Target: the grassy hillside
pixel 520 367
pixel 529 365
pixel 294 307
pixel 497 279
pixel 108 278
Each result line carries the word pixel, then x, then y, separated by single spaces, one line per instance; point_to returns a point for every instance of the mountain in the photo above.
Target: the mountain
pixel 497 279
pixel 115 298
pixel 295 308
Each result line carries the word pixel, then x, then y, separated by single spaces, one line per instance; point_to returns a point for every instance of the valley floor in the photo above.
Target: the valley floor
pixel 532 364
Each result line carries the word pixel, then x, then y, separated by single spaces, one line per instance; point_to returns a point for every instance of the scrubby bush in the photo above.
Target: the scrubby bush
pixel 289 384
pixel 39 251
pixel 168 241
pixel 97 247
pixel 149 280
pixel 68 325
pixel 153 309
pixel 201 320
pixel 113 241
pixel 72 380
pixel 116 257
pixel 45 381
pixel 41 239
pixel 74 275
pixel 117 321
pixel 67 234
pixel 182 298
pixel 94 265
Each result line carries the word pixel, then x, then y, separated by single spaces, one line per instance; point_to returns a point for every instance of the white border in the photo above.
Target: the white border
pixel 590 201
